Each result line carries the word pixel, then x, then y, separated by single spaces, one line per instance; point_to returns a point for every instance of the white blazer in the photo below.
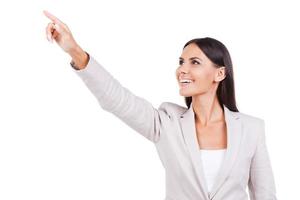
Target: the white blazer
pixel 172 130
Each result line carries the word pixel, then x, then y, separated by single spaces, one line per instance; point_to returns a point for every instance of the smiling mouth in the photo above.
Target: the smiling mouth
pixel 184 84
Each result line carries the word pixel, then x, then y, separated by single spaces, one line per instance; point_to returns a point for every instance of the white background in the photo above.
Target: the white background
pixel 52 143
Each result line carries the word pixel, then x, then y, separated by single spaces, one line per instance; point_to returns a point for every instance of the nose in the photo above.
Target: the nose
pixel 183 69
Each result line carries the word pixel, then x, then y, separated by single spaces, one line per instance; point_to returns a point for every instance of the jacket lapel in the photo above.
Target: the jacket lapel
pixel 190 138
pixel 234 135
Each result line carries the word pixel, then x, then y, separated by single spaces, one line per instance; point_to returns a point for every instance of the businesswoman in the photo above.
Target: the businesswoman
pixel 209 149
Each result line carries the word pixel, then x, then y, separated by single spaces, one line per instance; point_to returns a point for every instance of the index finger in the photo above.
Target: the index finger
pixel 53 18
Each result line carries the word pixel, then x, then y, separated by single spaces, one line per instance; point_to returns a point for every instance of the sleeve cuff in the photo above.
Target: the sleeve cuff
pixel 75 67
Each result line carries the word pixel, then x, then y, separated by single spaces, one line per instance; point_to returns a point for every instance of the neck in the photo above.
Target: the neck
pixel 207 109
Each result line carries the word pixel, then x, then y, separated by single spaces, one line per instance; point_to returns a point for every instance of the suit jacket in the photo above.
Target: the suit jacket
pixel 172 130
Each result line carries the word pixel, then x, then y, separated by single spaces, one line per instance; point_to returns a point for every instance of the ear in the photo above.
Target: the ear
pixel 220 74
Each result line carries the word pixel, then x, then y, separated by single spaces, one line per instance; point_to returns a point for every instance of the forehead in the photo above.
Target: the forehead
pixel 192 50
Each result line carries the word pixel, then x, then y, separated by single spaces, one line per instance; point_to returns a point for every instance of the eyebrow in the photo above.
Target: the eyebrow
pixel 192 58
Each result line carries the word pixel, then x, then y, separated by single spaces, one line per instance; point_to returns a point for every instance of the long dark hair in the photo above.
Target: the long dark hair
pixel 219 55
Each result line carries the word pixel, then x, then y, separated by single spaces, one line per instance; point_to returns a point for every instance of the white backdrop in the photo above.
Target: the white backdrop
pixel 52 143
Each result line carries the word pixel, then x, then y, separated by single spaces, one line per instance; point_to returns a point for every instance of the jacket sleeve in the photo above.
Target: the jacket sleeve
pixel 135 111
pixel 261 182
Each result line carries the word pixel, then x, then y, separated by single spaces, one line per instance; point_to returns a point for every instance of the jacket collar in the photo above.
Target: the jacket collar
pixel 234 135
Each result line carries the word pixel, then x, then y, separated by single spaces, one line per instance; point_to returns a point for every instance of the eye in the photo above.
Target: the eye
pixel 195 62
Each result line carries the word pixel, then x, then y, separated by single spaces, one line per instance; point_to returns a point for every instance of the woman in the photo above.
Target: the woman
pixel 209 150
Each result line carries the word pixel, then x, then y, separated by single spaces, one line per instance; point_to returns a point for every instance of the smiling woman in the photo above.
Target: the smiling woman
pixel 210 66
pixel 209 150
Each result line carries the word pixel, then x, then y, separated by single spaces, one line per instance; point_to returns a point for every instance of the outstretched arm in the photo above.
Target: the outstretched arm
pixel 135 111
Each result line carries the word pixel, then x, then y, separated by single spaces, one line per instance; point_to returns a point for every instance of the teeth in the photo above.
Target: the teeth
pixel 185 81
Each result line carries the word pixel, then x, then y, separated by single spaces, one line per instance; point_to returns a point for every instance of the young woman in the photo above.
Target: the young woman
pixel 209 150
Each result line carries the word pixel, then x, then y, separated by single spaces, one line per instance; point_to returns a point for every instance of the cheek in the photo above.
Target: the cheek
pixel 204 78
pixel 203 82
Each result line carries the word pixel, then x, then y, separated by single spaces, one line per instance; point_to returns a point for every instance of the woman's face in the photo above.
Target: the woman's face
pixel 199 70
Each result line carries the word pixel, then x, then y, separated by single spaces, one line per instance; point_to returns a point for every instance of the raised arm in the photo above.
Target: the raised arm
pixel 135 111
pixel 261 183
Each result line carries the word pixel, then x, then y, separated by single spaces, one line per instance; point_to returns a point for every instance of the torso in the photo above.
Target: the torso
pixel 212 136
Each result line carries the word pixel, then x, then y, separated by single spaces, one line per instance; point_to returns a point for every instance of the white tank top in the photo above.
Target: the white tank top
pixel 211 162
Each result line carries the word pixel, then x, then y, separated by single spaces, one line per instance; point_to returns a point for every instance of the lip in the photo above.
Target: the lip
pixel 180 78
pixel 183 85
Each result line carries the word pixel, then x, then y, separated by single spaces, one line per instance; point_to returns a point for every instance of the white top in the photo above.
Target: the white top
pixel 211 162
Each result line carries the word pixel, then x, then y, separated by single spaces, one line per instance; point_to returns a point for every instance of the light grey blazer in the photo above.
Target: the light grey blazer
pixel 172 130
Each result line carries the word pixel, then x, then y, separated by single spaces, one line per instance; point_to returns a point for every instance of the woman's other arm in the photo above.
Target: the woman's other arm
pixel 261 183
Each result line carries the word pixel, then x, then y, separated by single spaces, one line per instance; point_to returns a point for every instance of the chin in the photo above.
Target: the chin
pixel 189 93
pixel 185 94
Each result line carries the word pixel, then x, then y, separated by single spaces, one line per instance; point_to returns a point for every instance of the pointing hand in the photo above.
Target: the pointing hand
pixel 59 31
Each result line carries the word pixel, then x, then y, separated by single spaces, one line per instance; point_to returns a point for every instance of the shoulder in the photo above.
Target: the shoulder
pixel 172 109
pixel 250 119
pixel 253 125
